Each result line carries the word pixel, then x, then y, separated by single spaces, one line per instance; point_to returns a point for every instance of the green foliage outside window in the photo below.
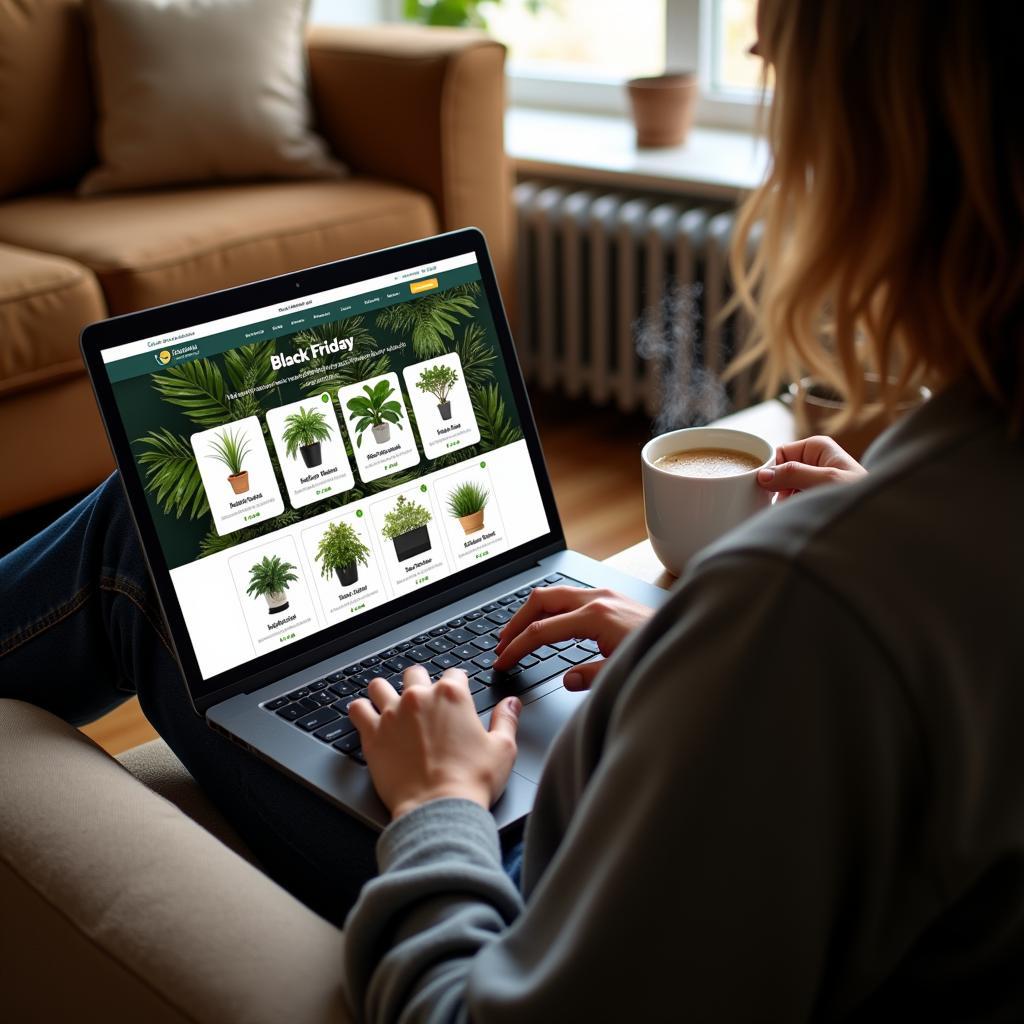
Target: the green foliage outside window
pixel 460 13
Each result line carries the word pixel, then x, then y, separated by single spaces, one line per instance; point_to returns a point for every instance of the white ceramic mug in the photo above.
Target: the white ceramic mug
pixel 686 513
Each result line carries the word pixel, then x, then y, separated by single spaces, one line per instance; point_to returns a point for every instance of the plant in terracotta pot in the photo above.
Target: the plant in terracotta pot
pixel 377 410
pixel 231 447
pixel 663 108
pixel 269 578
pixel 340 551
pixel 406 527
pixel 467 503
pixel 304 431
pixel 439 381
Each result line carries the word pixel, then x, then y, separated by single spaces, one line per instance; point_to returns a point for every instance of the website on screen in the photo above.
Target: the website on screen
pixel 310 462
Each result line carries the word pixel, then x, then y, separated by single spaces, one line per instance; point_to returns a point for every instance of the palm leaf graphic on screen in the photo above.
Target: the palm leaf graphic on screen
pixel 373 408
pixel 172 474
pixel 496 429
pixel 431 320
pixel 328 373
pixel 476 356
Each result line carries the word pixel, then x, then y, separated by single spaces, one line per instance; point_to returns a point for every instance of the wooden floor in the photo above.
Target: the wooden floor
pixel 594 461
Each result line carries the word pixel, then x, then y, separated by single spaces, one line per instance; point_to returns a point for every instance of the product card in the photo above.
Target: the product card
pixel 347 565
pixel 237 475
pixel 408 526
pixel 440 399
pixel 471 515
pixel 378 426
pixel 273 593
pixel 310 449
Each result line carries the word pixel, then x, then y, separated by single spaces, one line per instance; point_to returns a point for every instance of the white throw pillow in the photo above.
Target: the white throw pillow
pixel 202 90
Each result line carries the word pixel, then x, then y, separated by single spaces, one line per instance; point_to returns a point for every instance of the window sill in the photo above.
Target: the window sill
pixel 600 149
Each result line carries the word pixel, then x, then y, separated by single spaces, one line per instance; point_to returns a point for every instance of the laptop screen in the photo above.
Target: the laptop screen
pixel 310 463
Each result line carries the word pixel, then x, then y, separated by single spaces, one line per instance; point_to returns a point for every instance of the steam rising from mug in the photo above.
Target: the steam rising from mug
pixel 669 333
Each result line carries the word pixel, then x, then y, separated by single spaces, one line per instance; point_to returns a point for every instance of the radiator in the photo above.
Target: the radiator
pixel 592 265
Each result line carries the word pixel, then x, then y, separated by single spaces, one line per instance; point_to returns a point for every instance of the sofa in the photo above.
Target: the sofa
pixel 125 896
pixel 416 115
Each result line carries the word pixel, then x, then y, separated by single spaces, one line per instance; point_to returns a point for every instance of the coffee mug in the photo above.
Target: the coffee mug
pixel 686 513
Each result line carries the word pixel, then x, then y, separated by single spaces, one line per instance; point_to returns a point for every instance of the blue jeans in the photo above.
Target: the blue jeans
pixel 82 632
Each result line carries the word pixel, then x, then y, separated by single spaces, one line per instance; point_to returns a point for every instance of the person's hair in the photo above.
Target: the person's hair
pixel 891 221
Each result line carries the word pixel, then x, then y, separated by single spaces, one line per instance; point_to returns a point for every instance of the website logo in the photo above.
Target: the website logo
pixel 163 357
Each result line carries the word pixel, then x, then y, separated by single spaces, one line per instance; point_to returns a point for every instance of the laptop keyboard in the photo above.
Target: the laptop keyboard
pixel 320 708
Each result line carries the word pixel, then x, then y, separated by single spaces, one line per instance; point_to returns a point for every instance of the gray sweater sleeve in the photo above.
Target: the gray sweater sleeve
pixel 723 820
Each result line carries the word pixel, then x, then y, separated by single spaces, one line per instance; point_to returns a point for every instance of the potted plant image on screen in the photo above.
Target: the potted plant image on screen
pixel 439 381
pixel 406 527
pixel 467 503
pixel 231 447
pixel 304 431
pixel 377 410
pixel 269 578
pixel 340 551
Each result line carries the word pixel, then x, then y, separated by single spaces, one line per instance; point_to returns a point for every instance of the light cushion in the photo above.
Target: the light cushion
pixel 155 247
pixel 45 301
pixel 119 907
pixel 46 110
pixel 200 90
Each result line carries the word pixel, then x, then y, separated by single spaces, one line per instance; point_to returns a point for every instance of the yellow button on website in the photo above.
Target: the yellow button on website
pixel 423 286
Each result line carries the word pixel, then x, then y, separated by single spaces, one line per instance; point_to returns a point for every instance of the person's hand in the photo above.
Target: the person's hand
pixel 803 465
pixel 551 614
pixel 429 743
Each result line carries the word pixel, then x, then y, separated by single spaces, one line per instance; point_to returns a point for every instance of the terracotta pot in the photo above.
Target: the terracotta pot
pixel 472 523
pixel 815 404
pixel 663 108
pixel 239 482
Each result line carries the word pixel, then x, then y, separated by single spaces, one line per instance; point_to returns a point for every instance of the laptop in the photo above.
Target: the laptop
pixel 335 474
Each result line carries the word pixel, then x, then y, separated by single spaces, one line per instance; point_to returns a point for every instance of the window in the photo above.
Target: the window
pixel 571 38
pixel 733 69
pixel 576 54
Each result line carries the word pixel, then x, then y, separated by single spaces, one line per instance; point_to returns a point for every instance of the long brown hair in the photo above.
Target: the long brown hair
pixel 893 210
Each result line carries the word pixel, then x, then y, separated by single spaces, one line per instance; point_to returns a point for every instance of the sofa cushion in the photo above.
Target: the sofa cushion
pixel 46 107
pixel 118 907
pixel 155 765
pixel 199 91
pixel 44 302
pixel 155 247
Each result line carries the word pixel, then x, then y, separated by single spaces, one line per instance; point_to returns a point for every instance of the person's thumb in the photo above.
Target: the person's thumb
pixel 505 717
pixel 581 677
pixel 796 476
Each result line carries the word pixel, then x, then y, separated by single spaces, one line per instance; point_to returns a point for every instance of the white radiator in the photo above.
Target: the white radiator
pixel 592 265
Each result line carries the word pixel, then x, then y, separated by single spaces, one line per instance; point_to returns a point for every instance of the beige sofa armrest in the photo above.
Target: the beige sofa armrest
pixel 117 906
pixel 424 107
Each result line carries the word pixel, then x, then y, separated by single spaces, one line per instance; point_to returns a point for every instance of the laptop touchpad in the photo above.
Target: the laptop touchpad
pixel 539 723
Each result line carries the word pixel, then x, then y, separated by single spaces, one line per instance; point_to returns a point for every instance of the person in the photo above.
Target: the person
pixel 797 791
